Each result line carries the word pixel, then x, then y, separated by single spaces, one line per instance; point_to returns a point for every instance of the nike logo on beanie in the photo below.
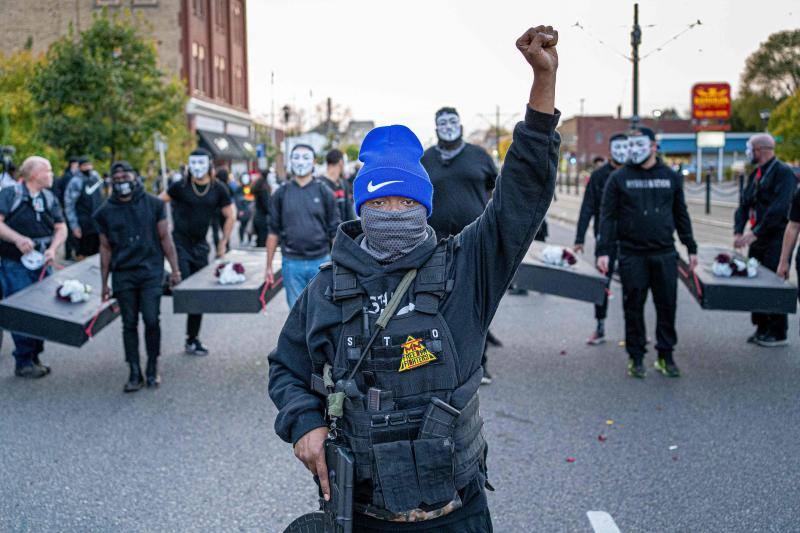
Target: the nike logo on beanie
pixel 373 188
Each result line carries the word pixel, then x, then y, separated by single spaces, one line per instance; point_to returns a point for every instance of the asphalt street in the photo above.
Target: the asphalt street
pixel 568 432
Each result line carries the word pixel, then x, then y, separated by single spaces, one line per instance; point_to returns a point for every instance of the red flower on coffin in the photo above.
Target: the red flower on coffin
pixel 569 257
pixel 237 267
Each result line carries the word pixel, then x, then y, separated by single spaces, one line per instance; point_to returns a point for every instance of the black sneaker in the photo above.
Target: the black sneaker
pixel 516 290
pixel 636 369
pixel 771 341
pixel 667 368
pixel 38 363
pixel 753 339
pixel 30 372
pixel 487 377
pixel 195 347
pixel 598 337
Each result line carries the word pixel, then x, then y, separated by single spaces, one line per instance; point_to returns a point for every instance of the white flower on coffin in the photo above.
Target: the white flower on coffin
pixel 230 273
pixel 722 270
pixel 558 256
pixel 74 291
pixel 752 267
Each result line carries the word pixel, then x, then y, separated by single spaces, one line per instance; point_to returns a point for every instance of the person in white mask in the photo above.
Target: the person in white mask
pixel 196 200
pixel 303 217
pixel 765 208
pixel 643 205
pixel 590 209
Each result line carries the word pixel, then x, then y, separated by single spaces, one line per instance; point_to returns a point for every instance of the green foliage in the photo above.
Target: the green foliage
pixel 18 122
pixel 784 123
pixel 774 69
pixel 746 109
pixel 101 93
pixel 352 151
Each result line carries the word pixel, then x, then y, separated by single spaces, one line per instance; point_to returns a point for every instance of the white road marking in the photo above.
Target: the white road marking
pixel 602 522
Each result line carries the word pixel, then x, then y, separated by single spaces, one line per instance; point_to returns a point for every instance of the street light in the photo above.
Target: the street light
pixel 765 114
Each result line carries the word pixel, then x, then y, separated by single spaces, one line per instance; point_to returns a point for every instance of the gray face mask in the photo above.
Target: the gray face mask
pixel 389 235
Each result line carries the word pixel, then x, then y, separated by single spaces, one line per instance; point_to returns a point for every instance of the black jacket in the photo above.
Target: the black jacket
pixel 592 200
pixel 641 209
pixel 484 259
pixel 769 198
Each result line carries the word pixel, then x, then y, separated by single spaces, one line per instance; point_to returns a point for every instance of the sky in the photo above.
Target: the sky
pixel 398 62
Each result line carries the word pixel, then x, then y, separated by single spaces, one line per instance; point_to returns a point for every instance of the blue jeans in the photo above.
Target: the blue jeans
pixel 15 277
pixel 297 273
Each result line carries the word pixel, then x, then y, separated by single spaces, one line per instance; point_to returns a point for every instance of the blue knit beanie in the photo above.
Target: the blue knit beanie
pixel 391 168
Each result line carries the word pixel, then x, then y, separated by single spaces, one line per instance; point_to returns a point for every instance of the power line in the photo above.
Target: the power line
pixel 674 37
pixel 599 40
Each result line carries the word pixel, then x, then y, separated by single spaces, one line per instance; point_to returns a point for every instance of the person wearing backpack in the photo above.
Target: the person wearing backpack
pixel 31 230
pixel 303 216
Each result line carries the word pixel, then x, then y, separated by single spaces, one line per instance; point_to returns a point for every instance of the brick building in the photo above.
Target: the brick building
pixel 204 42
pixel 586 136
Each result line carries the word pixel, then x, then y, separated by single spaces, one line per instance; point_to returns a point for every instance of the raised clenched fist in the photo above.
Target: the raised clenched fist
pixel 538 45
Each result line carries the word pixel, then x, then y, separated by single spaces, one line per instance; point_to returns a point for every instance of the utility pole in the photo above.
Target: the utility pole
pixel 636 40
pixel 582 100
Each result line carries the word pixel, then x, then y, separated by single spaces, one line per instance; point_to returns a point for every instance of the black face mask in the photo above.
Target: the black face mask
pixel 124 188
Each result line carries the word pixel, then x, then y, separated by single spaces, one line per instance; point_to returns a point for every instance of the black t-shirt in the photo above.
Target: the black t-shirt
pixel 34 217
pixel 794 212
pixel 461 187
pixel 132 230
pixel 193 207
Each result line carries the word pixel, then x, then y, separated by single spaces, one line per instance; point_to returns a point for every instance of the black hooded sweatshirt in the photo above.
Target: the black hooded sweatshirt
pixel 592 199
pixel 641 209
pixel 484 260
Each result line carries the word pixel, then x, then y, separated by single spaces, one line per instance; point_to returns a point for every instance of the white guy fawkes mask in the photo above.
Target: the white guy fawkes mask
pixel 639 146
pixel 619 150
pixel 302 161
pixel 199 165
pixel 749 154
pixel 448 127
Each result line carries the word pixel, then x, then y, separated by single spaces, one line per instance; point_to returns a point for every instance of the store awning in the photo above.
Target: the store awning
pixel 221 146
pixel 246 146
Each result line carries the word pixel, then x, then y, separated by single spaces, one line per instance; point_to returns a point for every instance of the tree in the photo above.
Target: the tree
pixel 784 124
pixel 19 125
pixel 774 69
pixel 101 93
pixel 746 111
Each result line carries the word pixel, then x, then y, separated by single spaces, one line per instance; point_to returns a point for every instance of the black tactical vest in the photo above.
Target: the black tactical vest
pixel 31 217
pixel 413 360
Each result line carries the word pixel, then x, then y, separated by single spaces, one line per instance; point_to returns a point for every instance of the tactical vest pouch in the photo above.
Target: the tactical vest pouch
pixel 397 476
pixel 434 463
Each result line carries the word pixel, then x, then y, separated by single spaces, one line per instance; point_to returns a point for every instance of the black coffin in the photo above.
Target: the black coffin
pixel 200 292
pixel 765 293
pixel 37 312
pixel 580 281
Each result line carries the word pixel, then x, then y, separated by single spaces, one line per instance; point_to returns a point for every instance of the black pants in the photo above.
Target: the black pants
pixel 260 227
pixel 147 301
pixel 601 311
pixel 658 274
pixel 768 253
pixel 191 258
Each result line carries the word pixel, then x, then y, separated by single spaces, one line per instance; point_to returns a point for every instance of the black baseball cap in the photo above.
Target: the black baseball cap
pixel 120 166
pixel 642 130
